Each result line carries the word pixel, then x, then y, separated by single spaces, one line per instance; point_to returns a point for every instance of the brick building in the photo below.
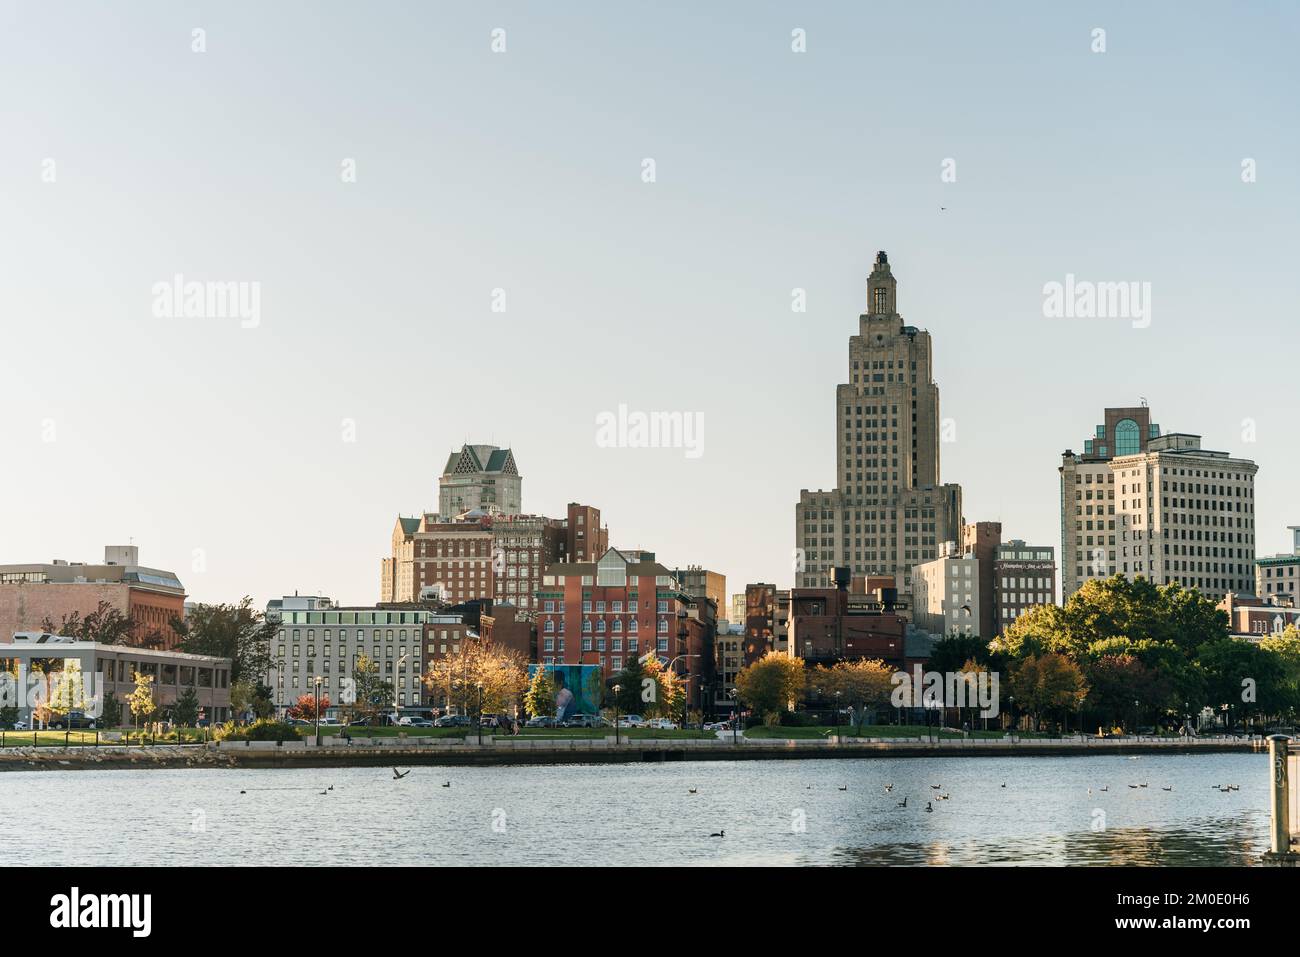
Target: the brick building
pixel 150 597
pixel 609 611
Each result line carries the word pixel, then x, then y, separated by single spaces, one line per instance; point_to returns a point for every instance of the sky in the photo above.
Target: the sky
pixel 453 243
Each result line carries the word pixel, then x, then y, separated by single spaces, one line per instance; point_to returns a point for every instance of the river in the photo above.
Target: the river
pixel 771 812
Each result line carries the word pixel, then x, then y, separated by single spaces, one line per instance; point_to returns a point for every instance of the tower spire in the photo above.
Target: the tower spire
pixel 881 288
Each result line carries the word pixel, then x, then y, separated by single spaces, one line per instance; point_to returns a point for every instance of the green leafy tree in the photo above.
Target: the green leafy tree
pixel 1285 648
pixel 185 712
pixel 110 711
pixel 372 692
pixel 1246 677
pixel 106 625
pixel 630 681
pixel 238 632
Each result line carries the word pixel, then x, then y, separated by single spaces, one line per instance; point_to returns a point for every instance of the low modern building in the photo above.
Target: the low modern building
pixel 1277 577
pixel 1024 576
pixel 151 597
pixel 109 670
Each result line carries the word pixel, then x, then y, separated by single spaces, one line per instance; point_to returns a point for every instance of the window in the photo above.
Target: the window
pixel 1128 438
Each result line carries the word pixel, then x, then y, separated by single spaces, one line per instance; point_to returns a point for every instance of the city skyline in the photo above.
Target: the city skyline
pixel 282 449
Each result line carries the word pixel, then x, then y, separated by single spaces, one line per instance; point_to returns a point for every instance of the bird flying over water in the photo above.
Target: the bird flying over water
pixel 398 775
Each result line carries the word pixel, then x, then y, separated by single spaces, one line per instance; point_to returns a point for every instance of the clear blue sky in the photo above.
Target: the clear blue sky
pixel 522 171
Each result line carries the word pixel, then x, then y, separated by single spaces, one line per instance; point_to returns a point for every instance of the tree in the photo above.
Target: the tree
pixel 238 632
pixel 141 699
pixel 772 684
pixel 110 711
pixel 1048 684
pixel 858 683
pixel 106 625
pixel 372 692
pixel 185 712
pixel 1285 648
pixel 951 653
pixel 307 705
pixel 630 682
pixel 1243 676
pixel 500 673
pixel 539 699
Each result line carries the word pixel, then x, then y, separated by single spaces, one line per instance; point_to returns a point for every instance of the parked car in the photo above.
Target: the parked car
pixel 632 721
pixel 490 721
pixel 358 723
pixel 73 719
pixel 662 724
pixel 582 721
pixel 540 721
pixel 718 726
pixel 452 721
pixel 419 723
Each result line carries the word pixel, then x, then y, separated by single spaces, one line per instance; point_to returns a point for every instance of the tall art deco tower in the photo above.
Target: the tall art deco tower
pixel 888 511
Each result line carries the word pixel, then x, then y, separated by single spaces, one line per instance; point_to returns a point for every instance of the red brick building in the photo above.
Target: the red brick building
pixel 150 597
pixel 609 611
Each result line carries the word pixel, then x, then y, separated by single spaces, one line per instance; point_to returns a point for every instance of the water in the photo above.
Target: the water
pixel 643 814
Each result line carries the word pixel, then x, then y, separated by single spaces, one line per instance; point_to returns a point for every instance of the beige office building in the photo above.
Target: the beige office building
pixel 888 511
pixel 1161 506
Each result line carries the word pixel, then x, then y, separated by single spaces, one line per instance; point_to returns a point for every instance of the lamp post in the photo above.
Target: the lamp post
pixel 396 671
pixel 837 717
pixel 735 715
pixel 1135 718
pixel 316 710
pixel 618 689
pixel 478 716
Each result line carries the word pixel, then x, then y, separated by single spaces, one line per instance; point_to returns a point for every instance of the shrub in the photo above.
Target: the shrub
pixel 263 729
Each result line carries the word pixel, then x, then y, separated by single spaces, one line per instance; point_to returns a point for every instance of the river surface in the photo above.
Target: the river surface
pixel 772 812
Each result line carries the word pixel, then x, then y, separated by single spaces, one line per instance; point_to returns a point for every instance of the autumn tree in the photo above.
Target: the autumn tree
pixel 772 684
pixel 308 706
pixel 141 699
pixel 857 683
pixel 539 699
pixel 498 672
pixel 1048 684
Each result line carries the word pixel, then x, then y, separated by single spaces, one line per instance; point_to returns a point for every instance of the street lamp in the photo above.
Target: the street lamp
pixel 735 714
pixel 396 671
pixel 1135 718
pixel 618 689
pixel 478 719
pixel 316 710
